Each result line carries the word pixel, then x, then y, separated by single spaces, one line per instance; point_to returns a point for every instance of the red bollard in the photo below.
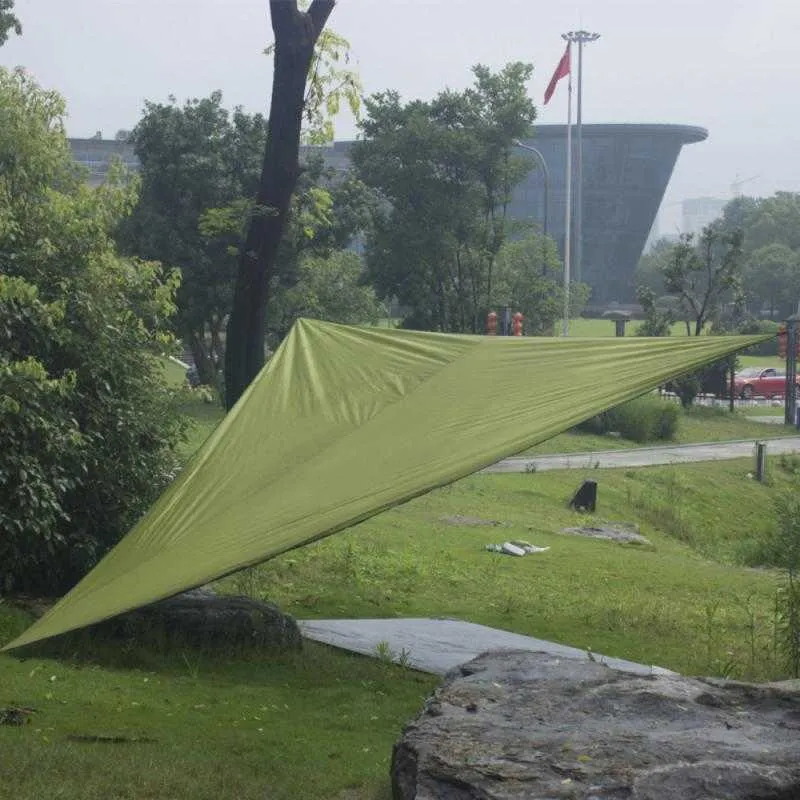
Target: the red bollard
pixel 491 323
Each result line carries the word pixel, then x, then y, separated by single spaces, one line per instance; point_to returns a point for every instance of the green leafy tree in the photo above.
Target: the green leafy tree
pixel 774 220
pixel 650 269
pixel 195 158
pixel 529 279
pixel 329 287
pixel 703 275
pixel 658 319
pixel 8 21
pixel 445 170
pixel 328 212
pixel 87 424
pixel 772 279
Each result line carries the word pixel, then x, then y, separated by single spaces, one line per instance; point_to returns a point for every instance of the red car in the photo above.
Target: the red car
pixel 762 381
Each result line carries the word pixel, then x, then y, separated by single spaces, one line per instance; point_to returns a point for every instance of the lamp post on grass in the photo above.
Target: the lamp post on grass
pixel 546 210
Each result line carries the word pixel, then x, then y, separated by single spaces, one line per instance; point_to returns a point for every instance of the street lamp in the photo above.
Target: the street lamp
pixel 546 172
pixel 579 38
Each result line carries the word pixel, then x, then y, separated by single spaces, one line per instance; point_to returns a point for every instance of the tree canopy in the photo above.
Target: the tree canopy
pixel 194 159
pixel 703 274
pixel 445 170
pixel 9 23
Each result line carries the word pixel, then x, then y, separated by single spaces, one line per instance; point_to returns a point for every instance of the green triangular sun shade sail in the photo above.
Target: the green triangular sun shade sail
pixel 345 422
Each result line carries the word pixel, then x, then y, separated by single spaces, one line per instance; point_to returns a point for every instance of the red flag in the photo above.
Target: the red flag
pixel 562 70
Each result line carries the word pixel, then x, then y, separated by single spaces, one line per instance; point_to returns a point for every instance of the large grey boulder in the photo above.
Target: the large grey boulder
pixel 529 725
pixel 202 619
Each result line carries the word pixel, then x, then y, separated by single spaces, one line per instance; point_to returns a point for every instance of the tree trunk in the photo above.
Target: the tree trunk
pixel 203 361
pixel 296 34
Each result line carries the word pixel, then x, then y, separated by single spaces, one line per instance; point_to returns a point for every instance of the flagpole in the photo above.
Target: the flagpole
pixel 579 37
pixel 568 211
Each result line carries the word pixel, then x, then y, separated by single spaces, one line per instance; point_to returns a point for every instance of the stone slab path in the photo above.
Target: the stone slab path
pixel 439 645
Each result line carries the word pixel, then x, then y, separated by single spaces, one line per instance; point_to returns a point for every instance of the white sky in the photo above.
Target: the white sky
pixel 728 65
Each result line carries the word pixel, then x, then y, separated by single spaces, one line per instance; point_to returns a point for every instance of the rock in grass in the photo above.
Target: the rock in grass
pixel 204 620
pixel 615 533
pixel 527 725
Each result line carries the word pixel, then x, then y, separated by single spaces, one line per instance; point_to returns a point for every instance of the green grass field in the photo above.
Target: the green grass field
pixel 321 723
pixel 594 328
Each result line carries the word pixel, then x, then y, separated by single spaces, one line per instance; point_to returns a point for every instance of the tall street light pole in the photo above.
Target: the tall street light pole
pixel 546 172
pixel 546 215
pixel 579 38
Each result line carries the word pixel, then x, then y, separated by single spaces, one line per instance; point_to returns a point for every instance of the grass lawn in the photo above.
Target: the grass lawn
pixel 639 602
pixel 204 415
pixel 174 373
pixel 762 361
pixel 319 724
pixel 322 723
pixel 592 328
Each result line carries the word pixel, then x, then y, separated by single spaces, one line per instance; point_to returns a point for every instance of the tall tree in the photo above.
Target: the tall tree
pixel 8 21
pixel 194 158
pixel 650 269
pixel 328 211
pixel 446 170
pixel 296 34
pixel 704 274
pixel 772 277
pixel 529 279
pixel 329 287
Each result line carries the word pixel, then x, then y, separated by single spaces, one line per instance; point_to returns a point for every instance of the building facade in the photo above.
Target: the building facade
pixel 626 169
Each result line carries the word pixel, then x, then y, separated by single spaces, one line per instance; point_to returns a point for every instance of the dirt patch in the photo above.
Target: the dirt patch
pixel 614 533
pixel 474 522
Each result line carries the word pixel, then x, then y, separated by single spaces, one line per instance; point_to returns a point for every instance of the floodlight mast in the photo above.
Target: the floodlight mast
pixel 580 38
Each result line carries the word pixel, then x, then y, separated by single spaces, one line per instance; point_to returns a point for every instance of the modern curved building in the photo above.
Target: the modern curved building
pixel 626 169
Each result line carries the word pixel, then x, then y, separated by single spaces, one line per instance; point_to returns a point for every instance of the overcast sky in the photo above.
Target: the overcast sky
pixel 727 65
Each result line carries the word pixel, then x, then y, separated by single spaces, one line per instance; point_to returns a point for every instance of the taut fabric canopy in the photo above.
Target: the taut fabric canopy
pixel 345 422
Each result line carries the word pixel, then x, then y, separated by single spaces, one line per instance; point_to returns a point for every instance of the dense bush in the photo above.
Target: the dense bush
pixel 644 419
pixel 768 348
pixel 87 423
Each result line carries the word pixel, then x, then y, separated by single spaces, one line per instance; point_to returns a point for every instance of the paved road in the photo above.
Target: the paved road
pixel 645 456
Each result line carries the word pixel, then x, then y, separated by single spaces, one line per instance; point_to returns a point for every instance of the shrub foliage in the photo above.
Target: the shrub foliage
pixel 642 419
pixel 87 423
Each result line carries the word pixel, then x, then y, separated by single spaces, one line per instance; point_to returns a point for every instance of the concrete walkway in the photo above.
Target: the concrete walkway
pixel 645 456
pixel 439 645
